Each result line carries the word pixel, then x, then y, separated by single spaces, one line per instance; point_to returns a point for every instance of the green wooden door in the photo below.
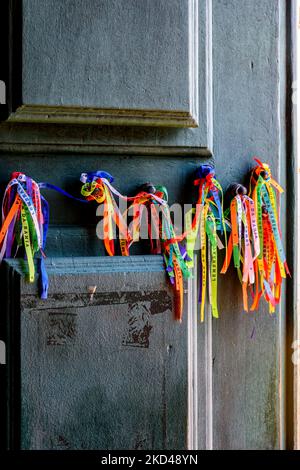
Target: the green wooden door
pixel 146 90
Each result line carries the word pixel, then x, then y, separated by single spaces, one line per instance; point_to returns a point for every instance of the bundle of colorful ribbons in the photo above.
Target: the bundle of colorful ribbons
pixel 162 236
pixel 152 200
pixel 255 239
pixel 207 220
pixel 254 244
pixel 98 186
pixel 25 220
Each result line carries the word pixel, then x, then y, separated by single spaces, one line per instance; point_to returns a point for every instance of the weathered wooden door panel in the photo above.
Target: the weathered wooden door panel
pixel 248 349
pixel 102 370
pixel 113 55
pixel 122 62
pixel 246 411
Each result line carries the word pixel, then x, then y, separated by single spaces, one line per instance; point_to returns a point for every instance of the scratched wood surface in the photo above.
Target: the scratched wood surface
pixel 106 370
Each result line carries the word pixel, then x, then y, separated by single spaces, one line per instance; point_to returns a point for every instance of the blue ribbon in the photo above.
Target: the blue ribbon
pixel 204 170
pixel 61 191
pixel 43 279
pixel 99 174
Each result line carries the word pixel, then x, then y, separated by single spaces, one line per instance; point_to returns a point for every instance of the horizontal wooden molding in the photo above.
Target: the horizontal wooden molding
pixel 142 150
pixel 96 264
pixel 84 115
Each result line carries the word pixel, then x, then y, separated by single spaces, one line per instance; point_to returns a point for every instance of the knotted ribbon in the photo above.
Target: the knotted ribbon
pixel 98 186
pixel 163 239
pixel 207 221
pixel 270 266
pixel 25 221
pixel 244 241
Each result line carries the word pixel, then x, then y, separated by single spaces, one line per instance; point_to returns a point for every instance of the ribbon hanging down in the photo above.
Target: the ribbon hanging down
pixel 207 220
pixel 243 242
pixel 152 200
pixel 270 265
pixel 25 221
pixel 162 236
pixel 24 224
pixel 98 186
pixel 255 239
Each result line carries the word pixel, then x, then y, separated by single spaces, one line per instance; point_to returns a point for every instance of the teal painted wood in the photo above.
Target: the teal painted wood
pixel 73 224
pixel 248 349
pixel 114 361
pixel 117 139
pixel 102 54
pixel 241 377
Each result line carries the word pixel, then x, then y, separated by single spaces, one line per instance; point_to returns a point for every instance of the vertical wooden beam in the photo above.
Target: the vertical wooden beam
pixel 292 314
pixel 297 223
